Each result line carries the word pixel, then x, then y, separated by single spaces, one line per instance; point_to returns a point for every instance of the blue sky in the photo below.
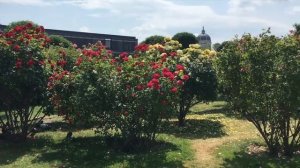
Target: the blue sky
pixel 223 19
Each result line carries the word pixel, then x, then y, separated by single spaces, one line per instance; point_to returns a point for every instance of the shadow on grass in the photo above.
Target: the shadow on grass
pixel 11 151
pixel 93 152
pixel 89 152
pixel 195 129
pixel 216 109
pixel 241 158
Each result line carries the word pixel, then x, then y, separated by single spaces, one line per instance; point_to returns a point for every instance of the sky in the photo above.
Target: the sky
pixel 222 19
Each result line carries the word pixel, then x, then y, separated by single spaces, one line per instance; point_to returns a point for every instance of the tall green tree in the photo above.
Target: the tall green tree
pixel 185 39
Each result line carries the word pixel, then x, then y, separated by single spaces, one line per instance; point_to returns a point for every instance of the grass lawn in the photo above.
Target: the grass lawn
pixel 211 138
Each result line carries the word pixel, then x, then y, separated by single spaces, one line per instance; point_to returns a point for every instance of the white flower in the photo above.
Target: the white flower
pixel 95 72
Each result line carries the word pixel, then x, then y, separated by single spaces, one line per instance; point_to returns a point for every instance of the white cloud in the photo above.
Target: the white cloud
pixel 244 6
pixel 294 10
pixel 144 17
pixel 84 29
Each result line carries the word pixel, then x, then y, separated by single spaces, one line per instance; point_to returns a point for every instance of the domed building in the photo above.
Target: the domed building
pixel 204 40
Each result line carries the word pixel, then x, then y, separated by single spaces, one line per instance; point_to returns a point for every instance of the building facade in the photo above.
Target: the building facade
pixel 116 43
pixel 204 40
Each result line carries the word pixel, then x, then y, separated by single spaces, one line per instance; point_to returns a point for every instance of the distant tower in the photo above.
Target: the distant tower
pixel 204 40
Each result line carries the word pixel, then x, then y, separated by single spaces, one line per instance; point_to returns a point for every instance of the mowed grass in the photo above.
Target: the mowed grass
pixel 212 137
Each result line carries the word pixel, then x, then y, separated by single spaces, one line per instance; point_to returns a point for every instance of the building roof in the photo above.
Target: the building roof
pixel 203 36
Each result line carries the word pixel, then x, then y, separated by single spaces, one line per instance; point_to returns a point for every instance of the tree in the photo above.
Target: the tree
pixel 185 39
pixel 154 40
pixel 57 40
pixel 261 80
pixel 297 29
pixel 216 46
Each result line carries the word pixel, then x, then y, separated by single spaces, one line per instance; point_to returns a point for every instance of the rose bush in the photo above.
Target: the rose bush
pixel 261 79
pixel 127 95
pixel 202 84
pixel 23 78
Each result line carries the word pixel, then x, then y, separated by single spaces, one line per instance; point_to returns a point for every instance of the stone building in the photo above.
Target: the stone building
pixel 204 40
pixel 116 43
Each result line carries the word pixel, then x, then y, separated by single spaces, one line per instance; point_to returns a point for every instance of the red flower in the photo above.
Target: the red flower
pixel 166 70
pixel 139 87
pixel 155 81
pixel 150 84
pixel 157 87
pixel 179 67
pixel 30 62
pixel 156 76
pixel 17 48
pixel 29 25
pixel 173 54
pixel 174 90
pixel 119 69
pixel 123 54
pixel 171 77
pixel 9 42
pixel 179 82
pixel 185 77
pixel 125 59
pixel 167 74
pixel 155 66
pixel 79 61
pixel 19 63
pixel 141 47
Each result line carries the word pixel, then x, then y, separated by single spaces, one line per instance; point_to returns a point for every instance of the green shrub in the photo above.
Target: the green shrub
pixel 156 39
pixel 261 79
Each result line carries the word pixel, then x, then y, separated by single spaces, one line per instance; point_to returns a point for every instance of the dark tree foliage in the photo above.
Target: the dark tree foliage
pixel 185 39
pixel 154 40
pixel 57 40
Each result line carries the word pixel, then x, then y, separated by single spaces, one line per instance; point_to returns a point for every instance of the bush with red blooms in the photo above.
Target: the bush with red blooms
pixel 128 95
pixel 23 79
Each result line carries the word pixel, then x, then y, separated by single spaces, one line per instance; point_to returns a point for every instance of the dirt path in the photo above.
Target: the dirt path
pixel 205 149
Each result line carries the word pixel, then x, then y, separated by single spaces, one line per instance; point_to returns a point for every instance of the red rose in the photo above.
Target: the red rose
pixel 186 77
pixel 150 84
pixel 17 48
pixel 30 62
pixel 123 54
pixel 139 87
pixel 174 90
pixel 179 82
pixel 179 67
pixel 125 59
pixel 156 76
pixel 155 81
pixel 119 69
pixel 19 63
